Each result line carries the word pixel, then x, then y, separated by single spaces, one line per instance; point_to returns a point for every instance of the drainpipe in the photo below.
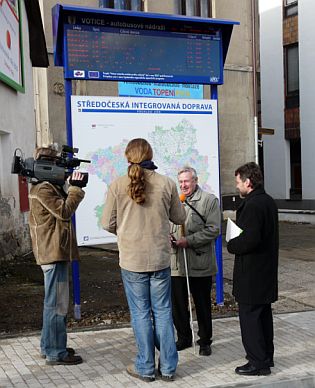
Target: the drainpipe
pixel 254 59
pixel 213 9
pixel 43 135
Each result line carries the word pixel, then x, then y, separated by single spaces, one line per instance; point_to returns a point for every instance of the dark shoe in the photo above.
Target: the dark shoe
pixel 251 370
pixel 205 350
pixel 68 360
pixel 132 372
pixel 70 351
pixel 167 378
pixel 181 345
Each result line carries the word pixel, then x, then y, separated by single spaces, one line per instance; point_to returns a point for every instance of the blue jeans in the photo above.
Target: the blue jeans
pixel 149 300
pixel 54 335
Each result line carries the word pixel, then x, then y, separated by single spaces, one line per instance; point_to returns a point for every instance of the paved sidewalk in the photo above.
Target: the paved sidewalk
pixel 108 352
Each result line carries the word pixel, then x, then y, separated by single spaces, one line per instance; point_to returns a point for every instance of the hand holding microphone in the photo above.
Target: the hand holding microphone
pixel 182 242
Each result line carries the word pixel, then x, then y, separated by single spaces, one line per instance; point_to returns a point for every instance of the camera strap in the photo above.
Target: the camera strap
pixel 196 211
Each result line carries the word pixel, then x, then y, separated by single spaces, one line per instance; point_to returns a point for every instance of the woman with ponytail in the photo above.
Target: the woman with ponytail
pixel 138 209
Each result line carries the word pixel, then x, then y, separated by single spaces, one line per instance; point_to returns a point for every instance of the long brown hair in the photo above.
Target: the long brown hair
pixel 137 151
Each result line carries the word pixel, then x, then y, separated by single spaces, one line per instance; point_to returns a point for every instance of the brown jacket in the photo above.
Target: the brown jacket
pixel 143 230
pixel 52 233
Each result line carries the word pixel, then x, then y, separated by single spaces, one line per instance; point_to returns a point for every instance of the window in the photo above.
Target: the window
pixel 291 76
pixel 292 69
pixel 5 163
pixel 135 5
pixel 196 8
pixel 290 8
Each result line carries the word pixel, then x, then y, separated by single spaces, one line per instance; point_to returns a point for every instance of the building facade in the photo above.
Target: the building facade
pixel 287 91
pixel 37 115
pixel 23 48
pixel 17 129
pixel 237 100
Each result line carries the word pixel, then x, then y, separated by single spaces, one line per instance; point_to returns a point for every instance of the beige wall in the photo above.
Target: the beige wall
pixel 236 121
pixel 17 130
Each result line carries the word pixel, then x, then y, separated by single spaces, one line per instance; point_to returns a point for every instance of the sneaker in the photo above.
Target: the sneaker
pixel 69 350
pixel 68 360
pixel 132 372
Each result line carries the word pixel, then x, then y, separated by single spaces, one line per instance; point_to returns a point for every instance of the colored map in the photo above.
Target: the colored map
pixel 173 148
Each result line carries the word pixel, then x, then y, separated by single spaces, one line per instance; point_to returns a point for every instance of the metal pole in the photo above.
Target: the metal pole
pixel 189 301
pixel 213 9
pixel 191 321
pixel 218 241
pixel 75 263
pixel 253 14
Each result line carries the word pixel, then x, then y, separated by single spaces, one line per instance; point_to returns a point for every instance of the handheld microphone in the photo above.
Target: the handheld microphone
pixel 182 197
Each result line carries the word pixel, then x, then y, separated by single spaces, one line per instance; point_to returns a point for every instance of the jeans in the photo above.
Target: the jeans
pixel 149 300
pixel 54 336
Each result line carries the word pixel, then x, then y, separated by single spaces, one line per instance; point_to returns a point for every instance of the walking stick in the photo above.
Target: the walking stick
pixel 182 198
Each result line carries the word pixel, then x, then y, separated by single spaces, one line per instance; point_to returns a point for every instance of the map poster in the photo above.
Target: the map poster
pixel 180 131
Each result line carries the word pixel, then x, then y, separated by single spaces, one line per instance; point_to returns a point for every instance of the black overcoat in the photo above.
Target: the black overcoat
pixel 255 276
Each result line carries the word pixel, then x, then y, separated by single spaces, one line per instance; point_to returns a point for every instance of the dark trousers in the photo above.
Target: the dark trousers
pixel 257 333
pixel 200 288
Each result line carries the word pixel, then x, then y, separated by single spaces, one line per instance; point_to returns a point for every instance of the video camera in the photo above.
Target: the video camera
pixel 55 170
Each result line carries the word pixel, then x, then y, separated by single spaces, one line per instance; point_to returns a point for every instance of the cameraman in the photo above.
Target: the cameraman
pixel 54 246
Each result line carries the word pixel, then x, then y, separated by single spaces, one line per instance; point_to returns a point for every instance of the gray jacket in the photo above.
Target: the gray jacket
pixel 201 235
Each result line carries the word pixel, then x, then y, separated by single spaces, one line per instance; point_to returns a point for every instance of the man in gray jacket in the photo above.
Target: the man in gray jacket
pixel 197 237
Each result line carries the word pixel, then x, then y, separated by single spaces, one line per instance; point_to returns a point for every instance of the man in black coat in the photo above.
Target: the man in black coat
pixel 255 277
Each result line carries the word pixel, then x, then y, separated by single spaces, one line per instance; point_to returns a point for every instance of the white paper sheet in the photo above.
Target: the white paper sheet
pixel 232 230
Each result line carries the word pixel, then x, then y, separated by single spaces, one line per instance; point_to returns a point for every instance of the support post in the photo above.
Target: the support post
pixel 218 241
pixel 75 263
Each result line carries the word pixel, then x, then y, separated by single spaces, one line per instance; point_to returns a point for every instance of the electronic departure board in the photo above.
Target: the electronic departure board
pixel 123 54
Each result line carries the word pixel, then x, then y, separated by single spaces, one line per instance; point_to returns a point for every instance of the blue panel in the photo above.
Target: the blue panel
pixel 115 45
pixel 106 53
pixel 57 35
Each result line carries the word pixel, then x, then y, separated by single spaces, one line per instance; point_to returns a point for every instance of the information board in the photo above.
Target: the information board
pixel 116 54
pixel 181 132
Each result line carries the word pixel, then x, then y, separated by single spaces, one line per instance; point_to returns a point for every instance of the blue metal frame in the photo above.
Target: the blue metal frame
pixel 75 263
pixel 59 11
pixel 218 242
pixel 60 54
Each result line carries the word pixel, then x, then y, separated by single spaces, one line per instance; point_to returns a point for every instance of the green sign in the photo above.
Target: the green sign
pixel 11 58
